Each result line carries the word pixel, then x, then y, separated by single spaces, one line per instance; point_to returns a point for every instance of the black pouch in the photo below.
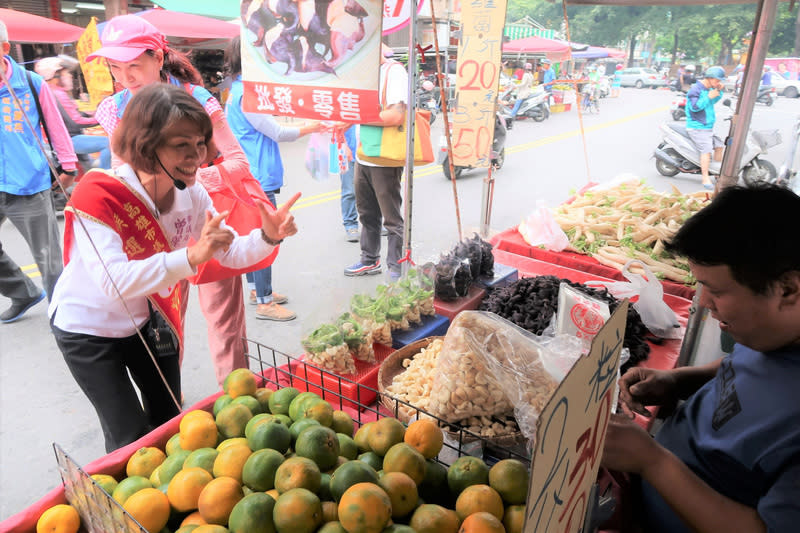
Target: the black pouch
pixel 159 335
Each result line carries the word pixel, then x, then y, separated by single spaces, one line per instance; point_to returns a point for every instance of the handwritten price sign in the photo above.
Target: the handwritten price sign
pixel 477 77
pixel 570 435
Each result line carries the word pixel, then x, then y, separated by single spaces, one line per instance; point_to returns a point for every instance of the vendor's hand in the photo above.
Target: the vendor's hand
pixel 645 386
pixel 628 447
pixel 213 237
pixel 278 224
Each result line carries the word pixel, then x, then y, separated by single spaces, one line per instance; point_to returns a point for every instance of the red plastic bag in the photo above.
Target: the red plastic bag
pixel 240 200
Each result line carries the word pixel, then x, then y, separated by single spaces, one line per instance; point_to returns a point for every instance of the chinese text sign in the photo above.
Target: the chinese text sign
pixel 570 434
pixel 315 59
pixel 477 78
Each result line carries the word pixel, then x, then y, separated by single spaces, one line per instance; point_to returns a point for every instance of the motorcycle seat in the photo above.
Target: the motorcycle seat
pixel 678 128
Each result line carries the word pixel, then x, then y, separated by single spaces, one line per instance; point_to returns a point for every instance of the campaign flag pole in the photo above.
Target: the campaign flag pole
pixel 410 112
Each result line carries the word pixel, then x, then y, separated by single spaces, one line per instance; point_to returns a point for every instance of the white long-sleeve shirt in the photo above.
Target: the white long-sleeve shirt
pixel 85 300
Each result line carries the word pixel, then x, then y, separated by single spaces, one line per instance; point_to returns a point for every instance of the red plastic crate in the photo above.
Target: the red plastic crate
pixel 359 387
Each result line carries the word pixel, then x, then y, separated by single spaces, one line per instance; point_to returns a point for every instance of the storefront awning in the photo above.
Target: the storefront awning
pixel 26 28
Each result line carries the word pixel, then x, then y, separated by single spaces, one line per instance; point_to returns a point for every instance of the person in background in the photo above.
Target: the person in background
pixel 523 89
pixel 728 459
pixel 378 194
pixel 259 135
pixel 616 83
pixel 700 119
pixel 766 77
pixel 688 78
pixel 25 181
pixel 519 72
pixel 58 74
pixel 348 204
pixel 138 55
pixel 548 76
pixel 129 238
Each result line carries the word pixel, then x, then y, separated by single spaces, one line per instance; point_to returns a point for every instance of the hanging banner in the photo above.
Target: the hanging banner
pixel 316 59
pixel 477 78
pixel 98 78
pixel 570 434
pixel 397 13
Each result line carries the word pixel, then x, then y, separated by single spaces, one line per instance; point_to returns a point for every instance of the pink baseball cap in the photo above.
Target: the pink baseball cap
pixel 127 37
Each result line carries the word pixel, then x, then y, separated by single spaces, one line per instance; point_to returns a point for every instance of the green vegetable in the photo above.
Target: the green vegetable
pixel 326 335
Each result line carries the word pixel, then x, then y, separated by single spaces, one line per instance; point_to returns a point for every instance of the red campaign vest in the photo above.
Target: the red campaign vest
pixel 102 197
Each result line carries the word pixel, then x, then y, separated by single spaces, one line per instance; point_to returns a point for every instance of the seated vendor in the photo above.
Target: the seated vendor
pixel 728 459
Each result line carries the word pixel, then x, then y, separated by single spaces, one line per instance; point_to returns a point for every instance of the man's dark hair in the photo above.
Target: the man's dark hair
pixel 233 57
pixel 751 230
pixel 149 114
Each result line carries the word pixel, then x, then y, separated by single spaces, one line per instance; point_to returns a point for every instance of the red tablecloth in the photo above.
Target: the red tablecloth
pixel 511 241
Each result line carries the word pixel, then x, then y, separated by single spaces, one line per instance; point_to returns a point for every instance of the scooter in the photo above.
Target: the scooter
pixel 678 107
pixel 498 151
pixel 677 153
pixel 536 106
pixel 766 95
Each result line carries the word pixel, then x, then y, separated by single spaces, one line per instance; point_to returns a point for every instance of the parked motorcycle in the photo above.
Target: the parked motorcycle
pixel 766 95
pixel 535 106
pixel 427 97
pixel 678 107
pixel 498 151
pixel 677 153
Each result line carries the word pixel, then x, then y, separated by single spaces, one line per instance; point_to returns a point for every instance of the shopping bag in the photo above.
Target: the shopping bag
pixel 386 145
pixel 239 199
pixel 541 229
pixel 318 155
pixel 659 318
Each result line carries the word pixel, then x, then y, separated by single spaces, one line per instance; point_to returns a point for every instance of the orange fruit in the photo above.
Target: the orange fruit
pixel 202 457
pixel 198 431
pixel 361 437
pixel 211 528
pixel 129 486
pixel 402 492
pixel 220 403
pixel 231 442
pixel 330 512
pixel 250 402
pixel 144 461
pixel 425 436
pixel 185 488
pixel 106 482
pixel 149 507
pixel 479 498
pixel 253 514
pixel 319 410
pixel 348 475
pixel 230 461
pixel 240 382
pixel 365 508
pixel 281 399
pixel 298 472
pixel 262 395
pixel 232 420
pixel 384 434
pixel 273 493
pixel 466 471
pixel 514 518
pixel 332 527
pixel 173 444
pixel 343 423
pixel 429 518
pixel 481 523
pixel 60 518
pixel 259 470
pixel 347 447
pixel 297 511
pixel 320 444
pixel 403 458
pixel 218 498
pixel 510 478
pixel 193 519
pixel 299 403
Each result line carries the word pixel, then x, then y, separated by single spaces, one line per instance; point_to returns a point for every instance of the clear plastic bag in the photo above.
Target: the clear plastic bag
pixel 318 154
pixel 453 277
pixel 578 314
pixel 656 315
pixel 541 229
pixel 486 367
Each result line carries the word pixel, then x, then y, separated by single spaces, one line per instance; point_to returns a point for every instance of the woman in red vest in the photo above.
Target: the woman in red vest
pixel 130 237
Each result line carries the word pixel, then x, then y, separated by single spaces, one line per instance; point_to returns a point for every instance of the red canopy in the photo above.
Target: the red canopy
pixel 552 49
pixel 26 28
pixel 187 30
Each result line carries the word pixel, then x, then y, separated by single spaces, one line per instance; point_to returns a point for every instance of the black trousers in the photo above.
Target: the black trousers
pixel 100 365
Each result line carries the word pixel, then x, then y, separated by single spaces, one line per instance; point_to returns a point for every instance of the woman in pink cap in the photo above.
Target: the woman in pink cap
pixel 138 55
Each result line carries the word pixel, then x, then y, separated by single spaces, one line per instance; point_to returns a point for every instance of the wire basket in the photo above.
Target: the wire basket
pixel 273 367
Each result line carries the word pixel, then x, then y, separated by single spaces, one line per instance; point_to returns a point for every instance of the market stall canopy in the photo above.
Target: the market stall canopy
pixel 596 52
pixel 550 48
pixel 221 10
pixel 26 28
pixel 187 30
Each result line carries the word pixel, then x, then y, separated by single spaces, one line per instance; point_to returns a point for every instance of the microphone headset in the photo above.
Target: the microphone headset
pixel 180 185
